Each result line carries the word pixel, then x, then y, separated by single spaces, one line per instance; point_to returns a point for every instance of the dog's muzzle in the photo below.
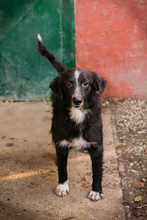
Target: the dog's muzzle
pixel 77 102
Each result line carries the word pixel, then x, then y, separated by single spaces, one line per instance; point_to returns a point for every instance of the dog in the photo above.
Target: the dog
pixel 76 121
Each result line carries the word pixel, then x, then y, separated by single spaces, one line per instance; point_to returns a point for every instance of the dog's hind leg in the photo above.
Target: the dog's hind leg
pixel 97 162
pixel 59 66
pixel 62 154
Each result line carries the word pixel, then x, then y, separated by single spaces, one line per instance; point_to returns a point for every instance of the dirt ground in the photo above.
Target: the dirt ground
pixel 28 171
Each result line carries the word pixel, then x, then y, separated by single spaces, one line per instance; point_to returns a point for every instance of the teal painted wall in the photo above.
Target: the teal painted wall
pixel 23 73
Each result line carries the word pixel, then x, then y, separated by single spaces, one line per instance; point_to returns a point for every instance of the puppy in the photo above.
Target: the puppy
pixel 76 119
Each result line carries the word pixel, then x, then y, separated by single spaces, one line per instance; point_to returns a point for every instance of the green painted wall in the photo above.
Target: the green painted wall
pixel 68 30
pixel 23 73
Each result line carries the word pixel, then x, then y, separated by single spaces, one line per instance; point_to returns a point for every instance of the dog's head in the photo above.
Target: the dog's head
pixel 77 86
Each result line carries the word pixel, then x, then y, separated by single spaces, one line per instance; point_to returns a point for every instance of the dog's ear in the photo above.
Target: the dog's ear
pixel 55 86
pixel 99 83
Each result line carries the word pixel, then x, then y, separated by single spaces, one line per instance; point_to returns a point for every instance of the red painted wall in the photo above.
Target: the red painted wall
pixel 111 39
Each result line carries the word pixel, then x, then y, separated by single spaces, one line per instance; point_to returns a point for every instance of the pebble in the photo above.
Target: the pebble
pixel 143 179
pixel 131 164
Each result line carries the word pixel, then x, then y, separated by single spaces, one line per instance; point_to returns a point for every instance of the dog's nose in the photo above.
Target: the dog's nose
pixel 77 101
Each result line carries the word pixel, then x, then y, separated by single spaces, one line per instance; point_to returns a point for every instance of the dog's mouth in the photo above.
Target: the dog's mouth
pixel 77 106
pixel 80 107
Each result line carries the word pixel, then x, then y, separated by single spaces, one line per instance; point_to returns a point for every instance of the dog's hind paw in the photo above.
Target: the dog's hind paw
pixel 95 196
pixel 62 189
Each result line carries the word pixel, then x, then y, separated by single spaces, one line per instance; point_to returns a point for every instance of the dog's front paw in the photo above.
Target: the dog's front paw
pixel 62 189
pixel 95 196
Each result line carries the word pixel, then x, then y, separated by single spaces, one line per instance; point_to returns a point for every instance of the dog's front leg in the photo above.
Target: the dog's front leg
pixel 62 188
pixel 97 161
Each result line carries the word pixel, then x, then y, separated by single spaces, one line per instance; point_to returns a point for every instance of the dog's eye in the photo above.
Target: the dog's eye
pixel 85 84
pixel 68 84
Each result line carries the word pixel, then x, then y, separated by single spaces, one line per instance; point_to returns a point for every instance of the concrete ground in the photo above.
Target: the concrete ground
pixel 28 171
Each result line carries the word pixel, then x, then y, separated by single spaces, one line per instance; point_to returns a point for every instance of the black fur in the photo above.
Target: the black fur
pixel 65 128
pixel 60 67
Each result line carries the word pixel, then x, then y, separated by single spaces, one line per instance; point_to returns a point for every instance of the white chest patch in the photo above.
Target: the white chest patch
pixel 77 115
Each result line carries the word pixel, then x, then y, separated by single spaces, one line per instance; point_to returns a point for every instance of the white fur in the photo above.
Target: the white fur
pixel 77 115
pixel 95 196
pixel 77 92
pixel 62 189
pixel 76 75
pixel 78 143
pixel 64 143
pixel 39 37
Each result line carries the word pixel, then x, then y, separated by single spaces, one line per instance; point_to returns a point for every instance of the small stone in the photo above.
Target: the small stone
pixel 131 164
pixel 143 179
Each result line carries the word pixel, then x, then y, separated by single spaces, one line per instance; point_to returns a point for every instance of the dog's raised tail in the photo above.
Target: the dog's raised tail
pixel 59 66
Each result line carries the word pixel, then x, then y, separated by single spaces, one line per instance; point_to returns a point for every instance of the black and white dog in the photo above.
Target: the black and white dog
pixel 76 119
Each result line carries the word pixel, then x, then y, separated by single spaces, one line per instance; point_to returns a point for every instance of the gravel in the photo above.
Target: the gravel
pixel 131 124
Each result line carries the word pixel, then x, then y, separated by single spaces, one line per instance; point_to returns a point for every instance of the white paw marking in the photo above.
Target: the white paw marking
pixel 95 196
pixel 62 189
